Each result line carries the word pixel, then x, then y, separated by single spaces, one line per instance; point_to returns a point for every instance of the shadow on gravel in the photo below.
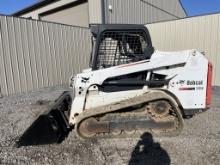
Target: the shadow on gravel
pixel 148 152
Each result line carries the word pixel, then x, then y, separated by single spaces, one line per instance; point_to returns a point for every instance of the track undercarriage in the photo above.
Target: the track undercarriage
pixel 160 117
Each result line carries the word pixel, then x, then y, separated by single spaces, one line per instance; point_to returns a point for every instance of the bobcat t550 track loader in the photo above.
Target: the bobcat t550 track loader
pixel 129 89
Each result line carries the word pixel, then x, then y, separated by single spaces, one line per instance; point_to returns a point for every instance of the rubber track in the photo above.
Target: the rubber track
pixel 152 95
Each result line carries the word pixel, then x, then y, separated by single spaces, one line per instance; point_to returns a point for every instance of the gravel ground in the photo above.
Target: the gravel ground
pixel 199 142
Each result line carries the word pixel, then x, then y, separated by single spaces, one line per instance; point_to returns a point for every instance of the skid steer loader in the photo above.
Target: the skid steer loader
pixel 129 89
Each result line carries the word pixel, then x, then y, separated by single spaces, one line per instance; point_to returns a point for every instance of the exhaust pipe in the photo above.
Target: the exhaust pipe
pixel 50 127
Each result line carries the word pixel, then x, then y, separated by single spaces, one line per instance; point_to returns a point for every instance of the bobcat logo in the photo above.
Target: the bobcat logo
pixel 181 82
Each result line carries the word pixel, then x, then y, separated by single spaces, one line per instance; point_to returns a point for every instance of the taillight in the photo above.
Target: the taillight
pixel 209 86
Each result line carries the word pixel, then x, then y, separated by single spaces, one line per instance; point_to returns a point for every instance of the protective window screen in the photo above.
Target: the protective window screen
pixel 120 47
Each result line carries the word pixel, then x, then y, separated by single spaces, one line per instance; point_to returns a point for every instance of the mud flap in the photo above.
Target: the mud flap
pixel 51 126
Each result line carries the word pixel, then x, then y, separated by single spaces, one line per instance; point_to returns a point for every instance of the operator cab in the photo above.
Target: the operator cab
pixel 115 44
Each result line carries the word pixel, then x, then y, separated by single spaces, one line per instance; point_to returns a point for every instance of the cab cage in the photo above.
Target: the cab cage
pixel 118 44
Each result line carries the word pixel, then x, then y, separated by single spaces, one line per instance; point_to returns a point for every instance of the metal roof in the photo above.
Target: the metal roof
pixel 33 7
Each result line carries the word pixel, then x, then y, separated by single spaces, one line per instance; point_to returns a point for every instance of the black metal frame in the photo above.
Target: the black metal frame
pixel 98 29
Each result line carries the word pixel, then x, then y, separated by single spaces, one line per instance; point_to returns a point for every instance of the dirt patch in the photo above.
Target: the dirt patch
pixel 199 143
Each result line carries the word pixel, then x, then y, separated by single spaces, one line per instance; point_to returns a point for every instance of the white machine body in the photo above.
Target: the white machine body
pixel 186 71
